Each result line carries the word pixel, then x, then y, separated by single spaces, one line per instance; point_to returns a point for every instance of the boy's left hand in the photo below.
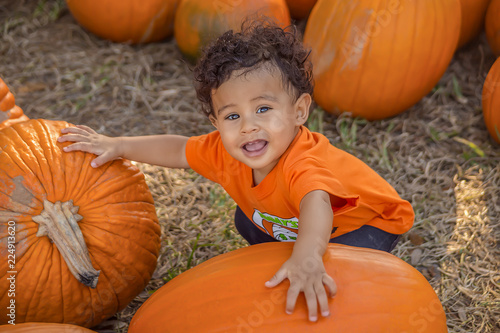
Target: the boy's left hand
pixel 306 275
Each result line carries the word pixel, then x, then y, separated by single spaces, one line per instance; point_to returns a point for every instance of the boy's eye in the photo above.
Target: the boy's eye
pixel 263 109
pixel 232 116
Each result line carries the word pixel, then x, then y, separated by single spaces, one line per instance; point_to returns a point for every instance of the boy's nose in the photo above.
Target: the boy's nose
pixel 249 125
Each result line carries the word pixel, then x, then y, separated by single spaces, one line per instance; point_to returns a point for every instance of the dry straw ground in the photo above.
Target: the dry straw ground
pixel 438 154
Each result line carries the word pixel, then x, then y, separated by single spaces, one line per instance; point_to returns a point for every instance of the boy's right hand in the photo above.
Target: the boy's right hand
pixel 87 140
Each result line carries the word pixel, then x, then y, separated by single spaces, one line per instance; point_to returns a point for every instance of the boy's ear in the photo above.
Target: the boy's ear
pixel 213 120
pixel 302 106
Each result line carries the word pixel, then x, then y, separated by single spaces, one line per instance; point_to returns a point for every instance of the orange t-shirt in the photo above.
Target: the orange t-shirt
pixel 358 194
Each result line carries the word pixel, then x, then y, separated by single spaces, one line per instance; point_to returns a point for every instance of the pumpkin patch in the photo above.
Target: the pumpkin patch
pixel 86 240
pixel 227 294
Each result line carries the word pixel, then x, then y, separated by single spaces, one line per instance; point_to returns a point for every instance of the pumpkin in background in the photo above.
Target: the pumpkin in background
pixel 473 14
pixel 376 292
pixel 129 21
pixel 492 26
pixel 491 101
pixel 376 58
pixel 197 22
pixel 43 328
pixel 85 240
pixel 10 113
pixel 300 9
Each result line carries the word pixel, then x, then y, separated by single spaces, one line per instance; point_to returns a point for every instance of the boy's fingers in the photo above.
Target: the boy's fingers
pixel 312 303
pixel 83 146
pixel 319 289
pixel 74 130
pixel 73 138
pixel 330 284
pixel 276 279
pixel 291 298
pixel 97 162
pixel 86 129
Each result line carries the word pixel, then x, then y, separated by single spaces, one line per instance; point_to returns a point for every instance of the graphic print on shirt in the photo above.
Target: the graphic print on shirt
pixel 275 226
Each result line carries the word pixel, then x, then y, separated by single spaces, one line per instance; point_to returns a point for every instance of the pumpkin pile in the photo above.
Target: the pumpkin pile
pixel 373 59
pixel 377 292
pixel 86 240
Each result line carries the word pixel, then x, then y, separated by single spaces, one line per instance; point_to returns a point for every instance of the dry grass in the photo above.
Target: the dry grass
pixel 438 154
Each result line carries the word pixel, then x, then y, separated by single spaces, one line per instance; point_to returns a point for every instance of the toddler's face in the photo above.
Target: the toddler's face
pixel 257 118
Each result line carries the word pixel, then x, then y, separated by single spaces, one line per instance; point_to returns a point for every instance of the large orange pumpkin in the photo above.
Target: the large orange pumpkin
pixel 129 21
pixel 300 9
pixel 491 101
pixel 77 243
pixel 43 328
pixel 492 26
pixel 473 14
pixel 197 22
pixel 10 113
pixel 376 292
pixel 376 58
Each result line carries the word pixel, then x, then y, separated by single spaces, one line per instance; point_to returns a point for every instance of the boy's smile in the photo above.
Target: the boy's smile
pixel 255 148
pixel 257 117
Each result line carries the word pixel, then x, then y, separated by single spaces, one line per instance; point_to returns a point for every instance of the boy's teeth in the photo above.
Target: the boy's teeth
pixel 255 145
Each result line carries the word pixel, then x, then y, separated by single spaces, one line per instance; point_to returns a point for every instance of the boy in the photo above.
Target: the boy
pixel 290 184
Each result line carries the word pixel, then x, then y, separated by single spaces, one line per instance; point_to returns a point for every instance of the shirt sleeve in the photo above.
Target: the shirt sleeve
pixel 205 155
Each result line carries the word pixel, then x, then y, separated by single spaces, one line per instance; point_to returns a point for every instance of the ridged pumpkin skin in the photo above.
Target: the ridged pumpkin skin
pixel 131 21
pixel 376 292
pixel 119 226
pixel 10 113
pixel 491 101
pixel 197 22
pixel 376 58
pixel 473 14
pixel 492 26
pixel 43 328
pixel 300 9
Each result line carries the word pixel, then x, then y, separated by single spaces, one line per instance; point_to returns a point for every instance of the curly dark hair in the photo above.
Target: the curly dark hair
pixel 258 43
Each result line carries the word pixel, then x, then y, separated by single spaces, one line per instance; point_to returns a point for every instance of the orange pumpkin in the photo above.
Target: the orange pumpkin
pixel 43 328
pixel 300 9
pixel 10 113
pixel 129 21
pixel 376 292
pixel 492 26
pixel 78 243
pixel 491 101
pixel 473 14
pixel 376 58
pixel 197 22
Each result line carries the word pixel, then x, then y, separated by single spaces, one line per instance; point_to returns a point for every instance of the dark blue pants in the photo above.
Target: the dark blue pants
pixel 366 236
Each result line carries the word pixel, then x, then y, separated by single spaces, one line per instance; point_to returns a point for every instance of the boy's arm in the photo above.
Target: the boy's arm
pixel 164 150
pixel 305 268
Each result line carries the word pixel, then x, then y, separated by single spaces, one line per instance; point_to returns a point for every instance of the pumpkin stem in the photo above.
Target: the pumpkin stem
pixel 59 222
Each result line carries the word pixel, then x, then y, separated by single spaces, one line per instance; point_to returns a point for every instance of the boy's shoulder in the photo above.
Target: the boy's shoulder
pixel 309 144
